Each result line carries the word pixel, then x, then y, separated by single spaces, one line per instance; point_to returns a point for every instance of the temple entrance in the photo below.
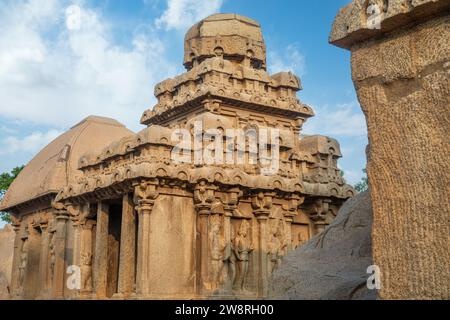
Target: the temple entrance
pixel 114 232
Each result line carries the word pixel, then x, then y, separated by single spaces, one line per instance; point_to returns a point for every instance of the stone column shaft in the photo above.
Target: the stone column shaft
pixel 44 258
pixel 60 250
pixel 87 258
pixel 203 198
pixel 127 247
pixel 16 260
pixel 143 252
pixel 100 271
pixel 263 255
pixel 262 204
pixel 145 194
pixel 202 250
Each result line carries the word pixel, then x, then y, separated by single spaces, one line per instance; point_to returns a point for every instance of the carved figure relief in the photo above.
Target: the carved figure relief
pixel 23 261
pixel 243 247
pixel 229 261
pixel 276 245
pixel 301 240
pixel 217 247
pixel 52 256
pixel 86 271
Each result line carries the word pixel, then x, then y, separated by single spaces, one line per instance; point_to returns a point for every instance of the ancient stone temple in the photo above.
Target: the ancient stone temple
pixel 102 212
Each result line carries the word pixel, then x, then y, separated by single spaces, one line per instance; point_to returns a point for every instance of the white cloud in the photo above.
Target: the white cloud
pixel 344 120
pixel 28 144
pixel 353 176
pixel 290 60
pixel 54 75
pixel 181 14
pixel 7 130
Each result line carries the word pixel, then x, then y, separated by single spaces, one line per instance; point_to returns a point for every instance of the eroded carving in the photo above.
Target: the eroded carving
pixel 243 247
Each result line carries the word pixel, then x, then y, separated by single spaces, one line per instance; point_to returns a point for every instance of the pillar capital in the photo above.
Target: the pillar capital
pixel 16 223
pixel 60 211
pixel 262 203
pixel 204 196
pixel 44 225
pixel 318 210
pixel 145 194
pixel 291 207
pixel 232 200
pixel 87 224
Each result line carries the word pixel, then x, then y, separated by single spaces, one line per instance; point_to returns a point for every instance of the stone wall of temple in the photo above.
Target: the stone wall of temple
pixel 7 236
pixel 171 265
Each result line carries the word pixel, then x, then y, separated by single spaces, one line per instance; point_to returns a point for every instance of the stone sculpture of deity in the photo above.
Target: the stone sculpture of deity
pixel 23 261
pixel 242 249
pixel 86 271
pixel 275 246
pixel 217 246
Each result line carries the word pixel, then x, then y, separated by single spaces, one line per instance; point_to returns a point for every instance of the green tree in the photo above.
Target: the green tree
pixel 342 174
pixel 6 179
pixel 363 185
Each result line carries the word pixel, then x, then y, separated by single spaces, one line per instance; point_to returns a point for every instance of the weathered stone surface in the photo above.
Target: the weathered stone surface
pixel 403 85
pixel 333 264
pixel 4 287
pixel 6 257
pixel 232 35
pixel 353 23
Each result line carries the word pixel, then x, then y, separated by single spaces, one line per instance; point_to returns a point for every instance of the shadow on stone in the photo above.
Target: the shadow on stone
pixel 333 264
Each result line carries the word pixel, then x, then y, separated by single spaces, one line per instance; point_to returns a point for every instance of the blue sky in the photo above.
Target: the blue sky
pixel 52 75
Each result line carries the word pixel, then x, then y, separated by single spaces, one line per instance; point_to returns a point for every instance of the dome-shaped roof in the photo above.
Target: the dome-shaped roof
pixel 230 35
pixel 56 165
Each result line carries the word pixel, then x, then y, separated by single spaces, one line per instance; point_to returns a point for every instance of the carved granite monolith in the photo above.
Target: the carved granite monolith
pixel 400 55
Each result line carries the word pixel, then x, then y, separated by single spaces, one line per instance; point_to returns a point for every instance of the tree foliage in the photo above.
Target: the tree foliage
pixel 363 185
pixel 6 178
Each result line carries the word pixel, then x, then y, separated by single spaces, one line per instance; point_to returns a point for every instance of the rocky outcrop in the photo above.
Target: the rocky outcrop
pixel 401 68
pixel 6 257
pixel 332 265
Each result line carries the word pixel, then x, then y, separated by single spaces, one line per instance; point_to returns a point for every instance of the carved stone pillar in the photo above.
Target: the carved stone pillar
pixel 290 211
pixel 262 204
pixel 76 218
pixel 44 259
pixel 16 223
pixel 100 271
pixel 23 262
pixel 86 256
pixel 203 199
pixel 318 214
pixel 127 247
pixel 145 195
pixel 230 205
pixel 59 271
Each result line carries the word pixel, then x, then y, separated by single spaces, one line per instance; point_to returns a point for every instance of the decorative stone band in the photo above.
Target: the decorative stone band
pixel 189 175
pixel 38 203
pixel 289 107
pixel 216 77
pixel 363 19
pixel 162 136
